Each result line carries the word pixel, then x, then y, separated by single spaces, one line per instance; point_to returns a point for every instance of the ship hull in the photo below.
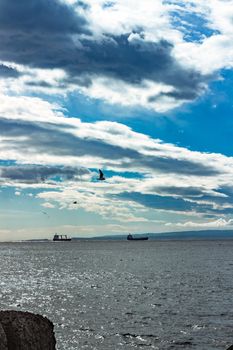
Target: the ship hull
pixel 62 239
pixel 138 239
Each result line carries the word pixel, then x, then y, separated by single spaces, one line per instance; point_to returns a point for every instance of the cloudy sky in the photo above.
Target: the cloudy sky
pixel 139 89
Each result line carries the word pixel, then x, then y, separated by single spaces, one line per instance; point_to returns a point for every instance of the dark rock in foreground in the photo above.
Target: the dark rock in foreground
pixel 230 348
pixel 25 331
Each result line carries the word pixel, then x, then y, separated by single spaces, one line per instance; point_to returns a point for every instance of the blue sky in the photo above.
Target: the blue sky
pixel 141 90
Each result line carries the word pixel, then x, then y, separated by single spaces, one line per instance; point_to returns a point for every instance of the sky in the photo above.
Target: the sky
pixel 140 89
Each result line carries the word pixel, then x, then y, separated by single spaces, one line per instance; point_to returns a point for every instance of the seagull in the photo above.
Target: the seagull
pixel 101 176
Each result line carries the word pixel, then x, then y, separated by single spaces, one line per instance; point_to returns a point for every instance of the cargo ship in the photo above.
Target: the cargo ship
pixel 61 238
pixel 131 238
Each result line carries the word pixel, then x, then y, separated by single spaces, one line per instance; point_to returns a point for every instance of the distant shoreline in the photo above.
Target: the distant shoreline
pixel 203 235
pixel 173 235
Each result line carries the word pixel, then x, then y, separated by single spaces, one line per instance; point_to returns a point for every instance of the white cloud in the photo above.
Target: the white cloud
pixel 136 147
pixel 159 169
pixel 157 21
pixel 93 199
pixel 28 108
pixel 143 23
pixel 124 16
pixel 219 223
pixel 118 92
pixel 214 51
pixel 155 18
pixel 48 205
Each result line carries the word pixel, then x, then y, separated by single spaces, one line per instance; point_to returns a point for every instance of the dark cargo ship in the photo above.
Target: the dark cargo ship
pixel 131 238
pixel 61 238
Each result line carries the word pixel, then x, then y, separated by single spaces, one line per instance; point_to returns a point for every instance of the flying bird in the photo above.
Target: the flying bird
pixel 101 175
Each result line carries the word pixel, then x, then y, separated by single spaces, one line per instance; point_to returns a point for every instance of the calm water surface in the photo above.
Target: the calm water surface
pixel 124 295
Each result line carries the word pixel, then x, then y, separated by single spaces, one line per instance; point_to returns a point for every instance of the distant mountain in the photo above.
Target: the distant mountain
pixel 203 234
pixel 184 235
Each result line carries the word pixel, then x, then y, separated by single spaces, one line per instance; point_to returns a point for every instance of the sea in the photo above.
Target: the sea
pixel 110 295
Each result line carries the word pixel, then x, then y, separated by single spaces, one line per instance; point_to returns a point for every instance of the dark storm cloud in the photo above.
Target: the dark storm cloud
pixel 38 32
pixel 82 4
pixel 55 140
pixel 38 174
pixel 51 139
pixel 136 60
pixel 159 202
pixel 224 203
pixel 177 166
pixel 188 94
pixel 220 200
pixel 170 203
pixel 191 192
pixel 43 84
pixel 39 16
pixel 46 34
pixel 187 192
pixel 8 72
pixel 226 190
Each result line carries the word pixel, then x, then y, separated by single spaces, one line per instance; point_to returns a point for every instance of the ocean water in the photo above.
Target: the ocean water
pixel 124 295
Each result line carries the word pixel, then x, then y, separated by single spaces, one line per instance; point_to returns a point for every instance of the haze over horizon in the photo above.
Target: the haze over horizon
pixel 141 90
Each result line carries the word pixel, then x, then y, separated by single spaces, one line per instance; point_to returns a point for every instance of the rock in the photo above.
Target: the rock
pixel 3 339
pixel 25 331
pixel 230 348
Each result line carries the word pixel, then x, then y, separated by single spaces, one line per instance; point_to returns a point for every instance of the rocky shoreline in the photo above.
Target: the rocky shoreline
pixel 26 331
